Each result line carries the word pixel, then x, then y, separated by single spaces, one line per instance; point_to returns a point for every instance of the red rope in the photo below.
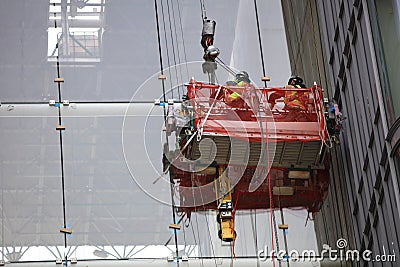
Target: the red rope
pixel 233 224
pixel 270 194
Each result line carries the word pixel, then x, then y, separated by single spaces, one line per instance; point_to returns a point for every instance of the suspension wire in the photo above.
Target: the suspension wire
pixel 195 241
pixel 184 237
pixel 225 66
pixel 314 41
pixel 272 221
pixel 197 222
pixel 61 151
pixel 302 28
pixel 265 84
pixel 323 58
pixel 207 222
pixel 160 57
pixel 167 49
pixel 285 19
pixel 254 228
pixel 61 143
pixel 288 36
pixel 208 226
pixel 183 39
pixel 272 212
pixel 259 41
pixel 177 47
pixel 315 46
pixel 171 179
pixel 203 10
pixel 173 47
pixel 284 235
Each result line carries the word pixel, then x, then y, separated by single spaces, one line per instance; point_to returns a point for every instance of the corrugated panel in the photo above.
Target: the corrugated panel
pixel 286 155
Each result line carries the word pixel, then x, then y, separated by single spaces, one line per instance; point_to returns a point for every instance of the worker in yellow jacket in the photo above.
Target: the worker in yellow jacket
pixel 241 79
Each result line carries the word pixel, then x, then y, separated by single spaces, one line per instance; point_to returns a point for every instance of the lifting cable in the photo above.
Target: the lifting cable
pixel 197 222
pixel 207 222
pixel 173 45
pixel 318 66
pixel 254 228
pixel 272 213
pixel 302 28
pixel 203 10
pixel 59 81
pixel 314 41
pixel 177 9
pixel 315 47
pixel 284 234
pixel 166 48
pixel 183 39
pixel 163 88
pixel 225 66
pixel 260 42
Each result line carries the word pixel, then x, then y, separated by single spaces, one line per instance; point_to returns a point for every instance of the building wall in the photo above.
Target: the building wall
pixel 338 43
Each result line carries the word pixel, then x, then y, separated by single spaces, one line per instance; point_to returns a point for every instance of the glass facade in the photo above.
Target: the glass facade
pixel 388 18
pixel 349 37
pixel 112 144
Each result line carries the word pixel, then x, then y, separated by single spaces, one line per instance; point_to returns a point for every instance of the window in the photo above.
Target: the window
pixel 75 30
pixel 388 18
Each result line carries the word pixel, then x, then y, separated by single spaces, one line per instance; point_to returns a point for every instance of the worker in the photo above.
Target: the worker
pixel 230 96
pixel 296 82
pixel 241 80
pixel 294 100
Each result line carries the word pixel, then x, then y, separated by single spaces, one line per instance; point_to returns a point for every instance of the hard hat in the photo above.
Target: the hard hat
pixel 243 76
pixel 296 79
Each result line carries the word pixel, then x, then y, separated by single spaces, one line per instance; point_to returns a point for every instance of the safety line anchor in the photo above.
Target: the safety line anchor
pixel 60 127
pixel 59 80
pixel 174 226
pixel 66 231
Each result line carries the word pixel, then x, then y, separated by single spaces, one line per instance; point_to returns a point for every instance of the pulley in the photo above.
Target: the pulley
pixel 207 35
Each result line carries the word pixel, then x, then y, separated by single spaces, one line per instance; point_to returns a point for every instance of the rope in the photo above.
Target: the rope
pixel 208 227
pixel 163 88
pixel 173 45
pixel 226 67
pixel 200 130
pixel 314 42
pixel 197 222
pixel 61 143
pixel 297 37
pixel 166 48
pixel 183 39
pixel 203 10
pixel 254 228
pixel 259 40
pixel 284 234
pixel 233 222
pixel 272 213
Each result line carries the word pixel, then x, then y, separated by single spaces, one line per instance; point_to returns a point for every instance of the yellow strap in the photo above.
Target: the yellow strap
pixel 234 95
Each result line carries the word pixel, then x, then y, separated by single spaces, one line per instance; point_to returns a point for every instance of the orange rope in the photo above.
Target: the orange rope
pixel 233 224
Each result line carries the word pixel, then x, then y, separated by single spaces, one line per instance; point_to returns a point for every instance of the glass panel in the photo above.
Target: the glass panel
pixel 30 182
pixel 106 54
pixel 389 23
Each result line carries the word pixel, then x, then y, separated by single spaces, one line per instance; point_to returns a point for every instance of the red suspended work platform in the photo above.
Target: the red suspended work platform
pixel 265 147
